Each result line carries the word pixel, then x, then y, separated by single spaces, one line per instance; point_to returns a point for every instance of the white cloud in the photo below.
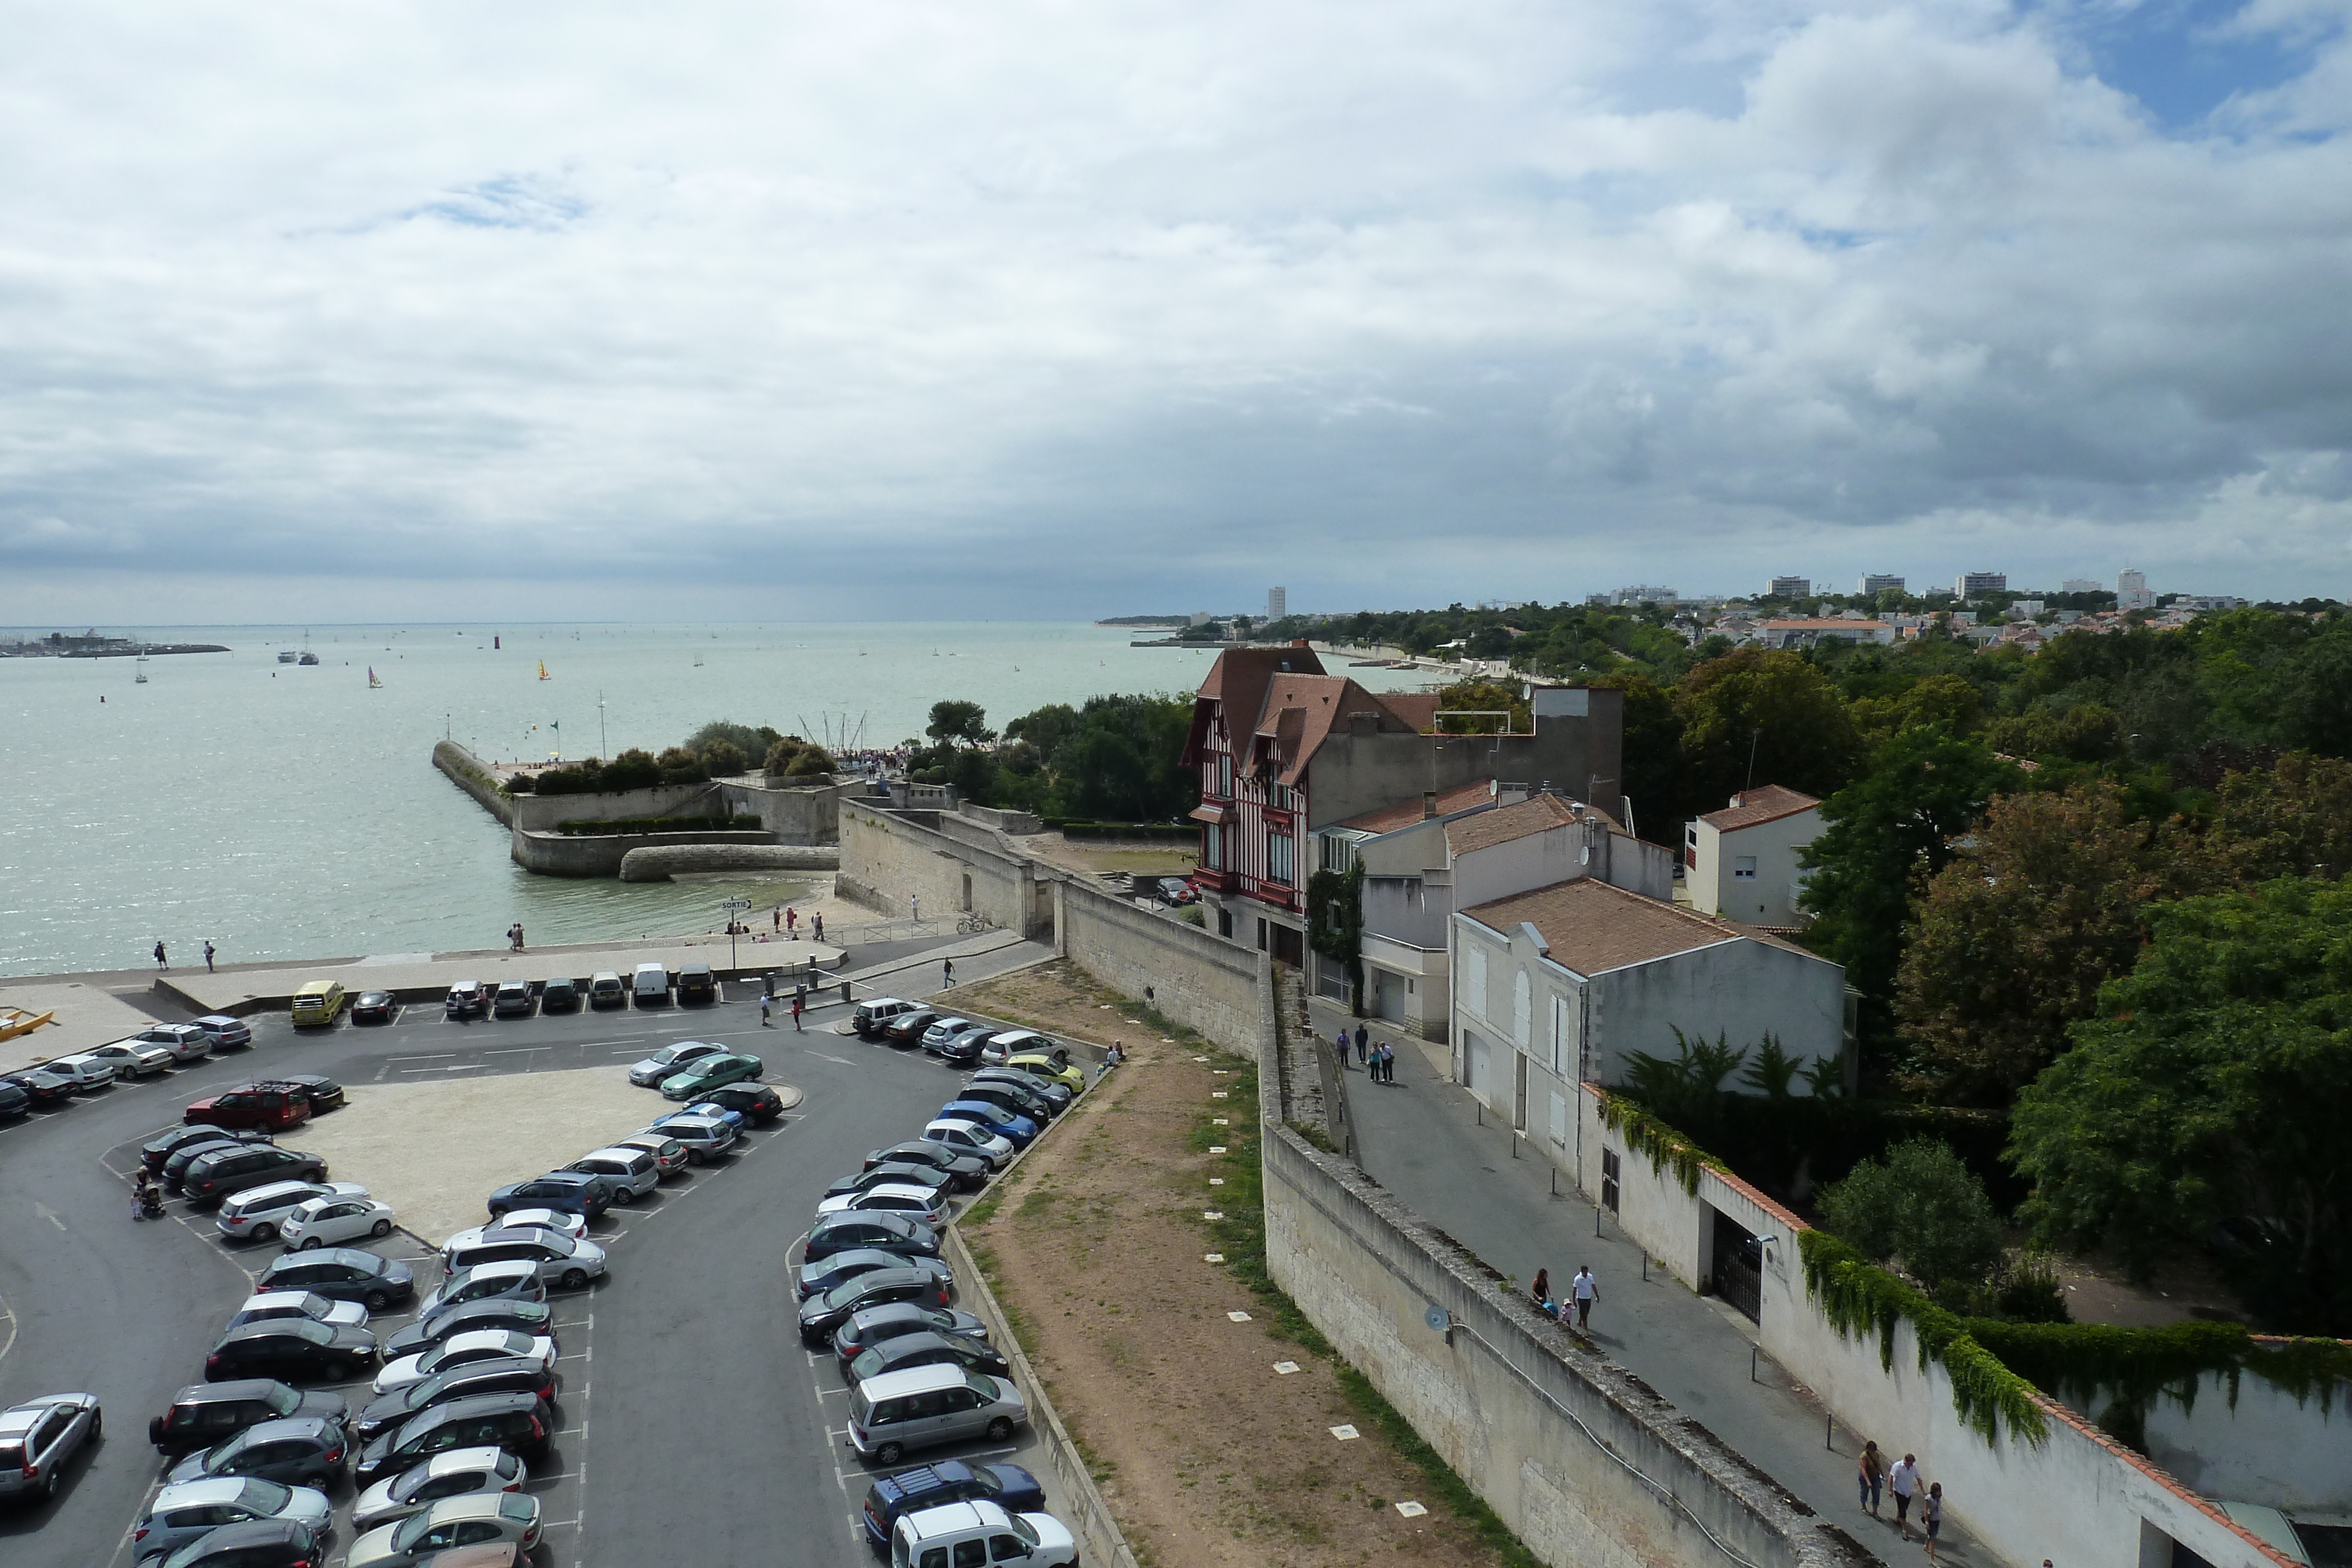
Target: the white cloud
pixel 1053 310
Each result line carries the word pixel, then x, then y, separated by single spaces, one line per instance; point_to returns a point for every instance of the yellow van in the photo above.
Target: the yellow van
pixel 318 1003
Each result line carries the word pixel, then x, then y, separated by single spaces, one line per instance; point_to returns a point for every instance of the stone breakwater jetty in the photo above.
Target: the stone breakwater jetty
pixel 798 826
pixel 90 646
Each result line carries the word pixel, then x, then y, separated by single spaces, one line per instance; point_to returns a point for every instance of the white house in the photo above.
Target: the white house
pixel 1742 862
pixel 1564 983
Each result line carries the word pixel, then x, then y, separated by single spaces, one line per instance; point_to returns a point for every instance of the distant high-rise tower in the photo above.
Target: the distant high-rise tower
pixel 1879 582
pixel 2131 590
pixel 2081 585
pixel 1277 603
pixel 1792 587
pixel 1973 584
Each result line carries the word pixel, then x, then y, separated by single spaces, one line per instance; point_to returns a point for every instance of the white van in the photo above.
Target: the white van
pixel 634 1172
pixel 977 1534
pixel 924 1406
pixel 652 985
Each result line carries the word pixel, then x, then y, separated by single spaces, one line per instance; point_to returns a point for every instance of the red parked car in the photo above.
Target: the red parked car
pixel 270 1106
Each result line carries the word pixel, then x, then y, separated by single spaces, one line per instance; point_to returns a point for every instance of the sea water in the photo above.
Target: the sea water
pixel 292 812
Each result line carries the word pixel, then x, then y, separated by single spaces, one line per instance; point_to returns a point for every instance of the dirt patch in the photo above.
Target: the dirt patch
pixel 435 1151
pixel 1151 857
pixel 1095 1245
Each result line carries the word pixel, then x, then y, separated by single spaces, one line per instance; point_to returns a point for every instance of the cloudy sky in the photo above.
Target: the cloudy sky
pixel 878 308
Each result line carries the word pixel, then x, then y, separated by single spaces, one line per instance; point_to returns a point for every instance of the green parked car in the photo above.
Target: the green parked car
pixel 708 1073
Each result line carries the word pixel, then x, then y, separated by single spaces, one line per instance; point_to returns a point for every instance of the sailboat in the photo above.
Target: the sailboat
pixel 543 671
pixel 373 684
pixel 697 660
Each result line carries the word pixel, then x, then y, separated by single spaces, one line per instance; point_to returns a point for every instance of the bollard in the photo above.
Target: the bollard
pixel 1596 1220
pixel 1516 1136
pixel 1481 1106
pixel 1829 1438
pixel 1751 1363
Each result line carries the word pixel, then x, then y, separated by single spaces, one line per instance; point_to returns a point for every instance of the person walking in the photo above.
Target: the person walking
pixel 208 955
pixel 517 935
pixel 818 921
pixel 1388 1062
pixel 792 923
pixel 915 906
pixel 1931 1516
pixel 1341 1041
pixel 1541 1290
pixel 1584 1290
pixel 1903 1480
pixel 777 915
pixel 947 972
pixel 159 956
pixel 1362 1034
pixel 799 1000
pixel 764 1004
pixel 1870 1477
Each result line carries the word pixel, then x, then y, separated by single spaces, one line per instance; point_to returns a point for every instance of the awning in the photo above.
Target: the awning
pixel 1209 812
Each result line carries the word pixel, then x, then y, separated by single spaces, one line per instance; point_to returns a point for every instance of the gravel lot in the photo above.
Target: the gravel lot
pixel 435 1150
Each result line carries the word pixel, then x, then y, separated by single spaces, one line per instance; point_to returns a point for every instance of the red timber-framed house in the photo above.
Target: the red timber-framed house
pixel 1286 750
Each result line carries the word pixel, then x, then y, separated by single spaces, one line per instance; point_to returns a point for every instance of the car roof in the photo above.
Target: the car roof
pixel 256 1532
pixel 694 969
pixel 197 1494
pixel 871 1003
pixel 498 1266
pixel 469 1505
pixel 218 1018
pixel 225 1392
pixel 912 1380
pixel 514 985
pixel 317 987
pixel 450 1461
pixel 860 1217
pixel 471 1404
pixel 658 968
pixel 902 1189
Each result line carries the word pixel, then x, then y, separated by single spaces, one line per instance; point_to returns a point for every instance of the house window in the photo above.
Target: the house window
pixel 1339 854
pixel 1743 868
pixel 1213 847
pixel 1226 775
pixel 1281 850
pixel 1408 987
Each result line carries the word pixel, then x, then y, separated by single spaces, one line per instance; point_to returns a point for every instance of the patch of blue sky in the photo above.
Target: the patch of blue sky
pixel 2181 59
pixel 508 202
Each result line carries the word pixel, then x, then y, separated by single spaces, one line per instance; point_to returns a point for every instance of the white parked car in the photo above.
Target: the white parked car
pixel 255 1214
pixel 87 1071
pixel 454 1472
pixel 979 1532
pixel 194 1509
pixel 971 1138
pixel 459 1349
pixel 308 1304
pixel 331 1221
pixel 632 1172
pixel 135 1058
pixel 185 1041
pixel 922 1202
pixel 476 1519
pixel 575 1226
pixel 560 1260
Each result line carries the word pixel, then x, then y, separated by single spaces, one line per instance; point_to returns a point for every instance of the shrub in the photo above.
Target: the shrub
pixel 680 765
pixel 780 753
pixel 521 784
pixel 752 741
pixel 1922 1207
pixel 724 759
pixel 813 761
pixel 632 769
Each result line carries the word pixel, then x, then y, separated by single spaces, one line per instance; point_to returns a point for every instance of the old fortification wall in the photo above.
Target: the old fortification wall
pixel 601 854
pixel 540 813
pixel 660 863
pixel 890 858
pixel 1201 982
pixel 468 773
pixel 801 813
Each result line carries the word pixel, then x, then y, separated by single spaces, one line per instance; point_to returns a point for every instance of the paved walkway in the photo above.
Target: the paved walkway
pixel 1422 1139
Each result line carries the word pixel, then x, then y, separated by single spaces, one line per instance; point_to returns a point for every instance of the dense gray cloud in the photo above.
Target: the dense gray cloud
pixel 914 309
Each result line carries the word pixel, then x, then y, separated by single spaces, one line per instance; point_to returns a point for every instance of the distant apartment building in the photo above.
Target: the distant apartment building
pixel 2207 602
pixel 1642 593
pixel 1790 588
pixel 2132 590
pixel 1742 862
pixel 2081 585
pixel 1973 584
pixel 1284 750
pixel 1879 582
pixel 2027 607
pixel 1805 631
pixel 1277 603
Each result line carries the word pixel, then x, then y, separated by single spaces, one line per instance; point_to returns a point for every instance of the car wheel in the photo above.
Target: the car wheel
pixel 380 1230
pixel 336 1371
pixel 999 1429
pixel 378 1299
pixel 97 1425
pixel 310 1244
pixel 627 1194
pixel 889 1453
pixel 573 1279
pixel 265 1232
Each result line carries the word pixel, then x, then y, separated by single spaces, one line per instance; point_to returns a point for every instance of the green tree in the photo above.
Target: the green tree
pixel 1652 766
pixel 2045 902
pixel 810 761
pixel 680 765
pixel 1045 730
pixel 2293 818
pixel 958 723
pixel 724 758
pixel 1774 707
pixel 1923 1209
pixel 780 755
pixel 1882 836
pixel 2213 1090
pixel 748 739
pixel 632 769
pixel 1488 699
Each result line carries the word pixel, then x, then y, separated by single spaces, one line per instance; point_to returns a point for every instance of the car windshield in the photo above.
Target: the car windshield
pixel 984 1482
pixel 983 1386
pixel 411 1531
pixel 265 1498
pixel 842 1294
pixel 1023 1529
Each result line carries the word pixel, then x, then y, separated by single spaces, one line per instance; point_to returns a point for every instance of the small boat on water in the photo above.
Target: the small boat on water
pixel 141 678
pixel 373 684
pixel 543 671
pixel 308 657
pixel 285 655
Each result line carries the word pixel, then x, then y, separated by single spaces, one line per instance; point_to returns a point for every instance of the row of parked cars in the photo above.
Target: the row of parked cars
pixel 872 1287
pixel 153 1051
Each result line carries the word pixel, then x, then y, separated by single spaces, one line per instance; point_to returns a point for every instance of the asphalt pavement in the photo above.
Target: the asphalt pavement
pixel 709 1433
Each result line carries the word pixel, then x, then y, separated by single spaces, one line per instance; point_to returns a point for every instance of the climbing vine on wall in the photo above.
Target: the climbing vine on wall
pixel 1335 924
pixel 1662 1145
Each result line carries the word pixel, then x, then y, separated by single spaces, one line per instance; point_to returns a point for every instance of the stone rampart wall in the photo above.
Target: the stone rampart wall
pixel 888 859
pixel 1202 983
pixel 600 854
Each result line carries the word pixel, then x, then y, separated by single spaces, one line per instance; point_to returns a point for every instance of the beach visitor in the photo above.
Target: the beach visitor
pixel 818 921
pixel 1541 1289
pixel 1362 1034
pixel 915 905
pixel 1903 1480
pixel 1585 1290
pixel 799 1000
pixel 1931 1516
pixel 1870 1478
pixel 777 914
pixel 792 922
pixel 764 1004
pixel 208 955
pixel 946 971
pixel 159 956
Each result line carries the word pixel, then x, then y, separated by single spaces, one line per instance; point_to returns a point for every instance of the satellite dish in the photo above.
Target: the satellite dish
pixel 1438 1318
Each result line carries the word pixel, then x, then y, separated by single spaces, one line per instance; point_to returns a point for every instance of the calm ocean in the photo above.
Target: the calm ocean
pixel 287 811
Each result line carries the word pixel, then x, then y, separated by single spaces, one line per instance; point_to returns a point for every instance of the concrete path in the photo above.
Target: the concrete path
pixel 89 1011
pixel 1421 1138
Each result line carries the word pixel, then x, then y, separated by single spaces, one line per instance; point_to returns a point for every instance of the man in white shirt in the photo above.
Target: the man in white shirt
pixel 1903 1480
pixel 1583 1291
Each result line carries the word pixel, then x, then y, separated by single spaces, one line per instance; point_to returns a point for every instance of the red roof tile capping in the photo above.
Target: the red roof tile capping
pixel 1766 803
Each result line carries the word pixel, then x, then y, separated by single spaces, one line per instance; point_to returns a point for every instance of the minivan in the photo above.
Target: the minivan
pixel 605 990
pixel 652 986
pixel 695 984
pixel 872 1015
pixel 978 1532
pixel 320 1002
pixel 924 1406
pixel 634 1172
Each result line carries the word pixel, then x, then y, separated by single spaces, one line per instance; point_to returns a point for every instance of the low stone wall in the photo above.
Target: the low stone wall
pixel 659 864
pixel 1003 821
pixel 469 772
pixel 600 854
pixel 540 813
pixel 805 811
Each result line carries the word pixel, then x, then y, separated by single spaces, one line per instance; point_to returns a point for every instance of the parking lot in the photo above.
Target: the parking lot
pixel 709 1431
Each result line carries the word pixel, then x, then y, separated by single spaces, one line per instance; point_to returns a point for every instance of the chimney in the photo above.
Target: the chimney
pixel 1428 804
pixel 1739 799
pixel 1298 641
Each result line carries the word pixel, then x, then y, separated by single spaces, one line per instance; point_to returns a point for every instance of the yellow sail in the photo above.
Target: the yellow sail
pixel 542 670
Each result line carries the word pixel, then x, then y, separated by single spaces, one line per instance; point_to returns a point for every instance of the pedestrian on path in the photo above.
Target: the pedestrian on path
pixel 1931 1516
pixel 764 1004
pixel 777 915
pixel 159 956
pixel 915 905
pixel 1541 1290
pixel 208 955
pixel 947 970
pixel 1362 1034
pixel 792 923
pixel 1388 1062
pixel 819 922
pixel 1870 1477
pixel 1342 1038
pixel 1584 1290
pixel 1903 1480
pixel 799 1000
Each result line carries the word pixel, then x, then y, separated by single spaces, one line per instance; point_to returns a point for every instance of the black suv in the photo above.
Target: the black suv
pixel 697 983
pixel 473 1379
pixel 342 1274
pixel 220 1172
pixel 204 1414
pixel 158 1150
pixel 293 1347
pixel 758 1102
pixel 521 1424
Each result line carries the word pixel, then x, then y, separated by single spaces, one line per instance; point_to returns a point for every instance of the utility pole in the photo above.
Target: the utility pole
pixel 602 749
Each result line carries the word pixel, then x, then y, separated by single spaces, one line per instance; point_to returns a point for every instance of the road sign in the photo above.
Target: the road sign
pixel 735 904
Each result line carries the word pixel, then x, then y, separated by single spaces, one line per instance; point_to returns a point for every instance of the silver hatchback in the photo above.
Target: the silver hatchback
pixel 38 1437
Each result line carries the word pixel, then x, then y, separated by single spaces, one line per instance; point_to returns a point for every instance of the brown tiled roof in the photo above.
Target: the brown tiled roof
pixel 1299 711
pixel 1418 710
pixel 1592 927
pixel 1536 814
pixel 1238 679
pixel 1405 813
pixel 1768 803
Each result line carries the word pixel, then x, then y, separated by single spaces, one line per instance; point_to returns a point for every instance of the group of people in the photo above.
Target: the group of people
pixel 1876 1478
pixel 1582 1291
pixel 514 936
pixel 1376 1057
pixel 162 961
pixel 787 919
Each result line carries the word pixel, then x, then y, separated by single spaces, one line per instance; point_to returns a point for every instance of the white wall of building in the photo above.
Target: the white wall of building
pixel 1749 874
